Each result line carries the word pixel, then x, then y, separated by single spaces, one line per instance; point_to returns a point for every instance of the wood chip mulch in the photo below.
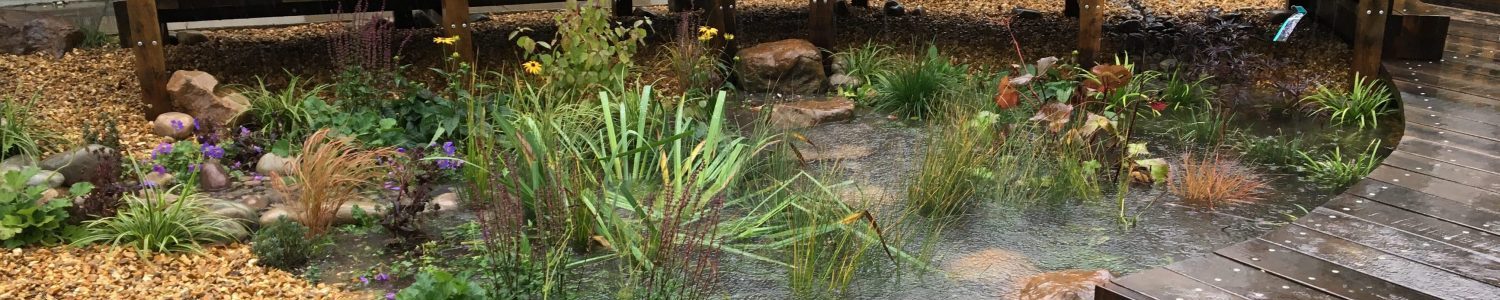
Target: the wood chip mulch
pixel 98 272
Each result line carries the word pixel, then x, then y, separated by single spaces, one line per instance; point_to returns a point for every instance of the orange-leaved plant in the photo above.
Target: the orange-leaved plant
pixel 1214 179
pixel 331 171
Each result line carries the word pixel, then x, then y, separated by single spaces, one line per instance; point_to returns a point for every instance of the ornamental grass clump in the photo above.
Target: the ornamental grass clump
pixel 331 171
pixel 159 221
pixel 1334 170
pixel 1213 180
pixel 914 90
pixel 1361 106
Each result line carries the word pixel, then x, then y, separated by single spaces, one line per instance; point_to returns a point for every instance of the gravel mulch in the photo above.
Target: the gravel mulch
pixel 221 272
pixel 89 85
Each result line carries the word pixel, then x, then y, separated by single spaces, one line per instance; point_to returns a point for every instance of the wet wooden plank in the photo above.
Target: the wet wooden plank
pixel 1380 264
pixel 1449 138
pixel 1397 200
pixel 1464 175
pixel 1455 81
pixel 1453 155
pixel 1114 291
pixel 1470 62
pixel 1164 284
pixel 1336 279
pixel 1426 250
pixel 1441 107
pixel 1479 199
pixel 1420 116
pixel 1465 28
pixel 1444 100
pixel 1243 280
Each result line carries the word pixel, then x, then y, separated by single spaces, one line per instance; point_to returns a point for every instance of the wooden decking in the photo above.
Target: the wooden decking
pixel 1424 225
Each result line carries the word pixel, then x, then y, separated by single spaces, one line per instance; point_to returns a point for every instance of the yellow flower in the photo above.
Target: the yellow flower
pixel 445 40
pixel 706 33
pixel 729 36
pixel 532 67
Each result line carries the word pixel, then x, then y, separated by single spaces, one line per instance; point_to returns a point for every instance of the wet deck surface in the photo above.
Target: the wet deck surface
pixel 1424 225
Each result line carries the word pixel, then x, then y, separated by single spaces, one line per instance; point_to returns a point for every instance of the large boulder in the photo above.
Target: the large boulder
pixel 23 32
pixel 791 66
pixel 193 92
pixel 806 113
pixel 1064 285
pixel 78 165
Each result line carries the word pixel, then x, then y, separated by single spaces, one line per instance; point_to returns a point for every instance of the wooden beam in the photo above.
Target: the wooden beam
pixel 1090 31
pixel 456 23
pixel 623 8
pixel 721 16
pixel 150 60
pixel 820 23
pixel 1369 36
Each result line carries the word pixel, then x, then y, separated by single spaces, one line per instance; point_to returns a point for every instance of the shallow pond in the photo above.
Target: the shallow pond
pixel 989 251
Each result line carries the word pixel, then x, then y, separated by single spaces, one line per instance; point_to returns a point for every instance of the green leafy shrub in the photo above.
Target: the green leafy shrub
pixel 439 285
pixel 24 221
pixel 913 90
pixel 1180 92
pixel 589 54
pixel 1361 106
pixel 283 244
pixel 157 221
pixel 1334 170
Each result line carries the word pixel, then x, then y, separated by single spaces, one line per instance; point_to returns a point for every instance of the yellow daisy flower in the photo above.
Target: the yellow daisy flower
pixel 445 40
pixel 728 36
pixel 706 33
pixel 532 67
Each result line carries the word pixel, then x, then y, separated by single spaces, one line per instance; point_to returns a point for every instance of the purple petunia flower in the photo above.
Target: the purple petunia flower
pixel 449 149
pixel 195 124
pixel 400 150
pixel 192 168
pixel 211 151
pixel 391 185
pixel 363 280
pixel 256 148
pixel 382 277
pixel 244 132
pixel 177 124
pixel 390 295
pixel 161 149
pixel 159 169
pixel 447 164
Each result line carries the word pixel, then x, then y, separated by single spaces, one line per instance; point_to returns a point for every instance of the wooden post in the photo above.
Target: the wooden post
pixel 401 13
pixel 456 23
pixel 623 8
pixel 1369 36
pixel 721 16
pixel 820 23
pixel 1090 31
pixel 150 61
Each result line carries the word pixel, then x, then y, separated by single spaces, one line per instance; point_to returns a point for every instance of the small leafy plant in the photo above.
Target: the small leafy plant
pixel 283 244
pixel 1362 106
pixel 440 285
pixel 590 53
pixel 17 134
pixel 25 218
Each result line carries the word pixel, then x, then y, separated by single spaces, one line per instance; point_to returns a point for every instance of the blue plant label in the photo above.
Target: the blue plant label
pixel 1290 24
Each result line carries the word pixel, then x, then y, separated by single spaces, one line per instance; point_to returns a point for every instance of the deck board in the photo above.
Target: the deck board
pixel 1425 224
